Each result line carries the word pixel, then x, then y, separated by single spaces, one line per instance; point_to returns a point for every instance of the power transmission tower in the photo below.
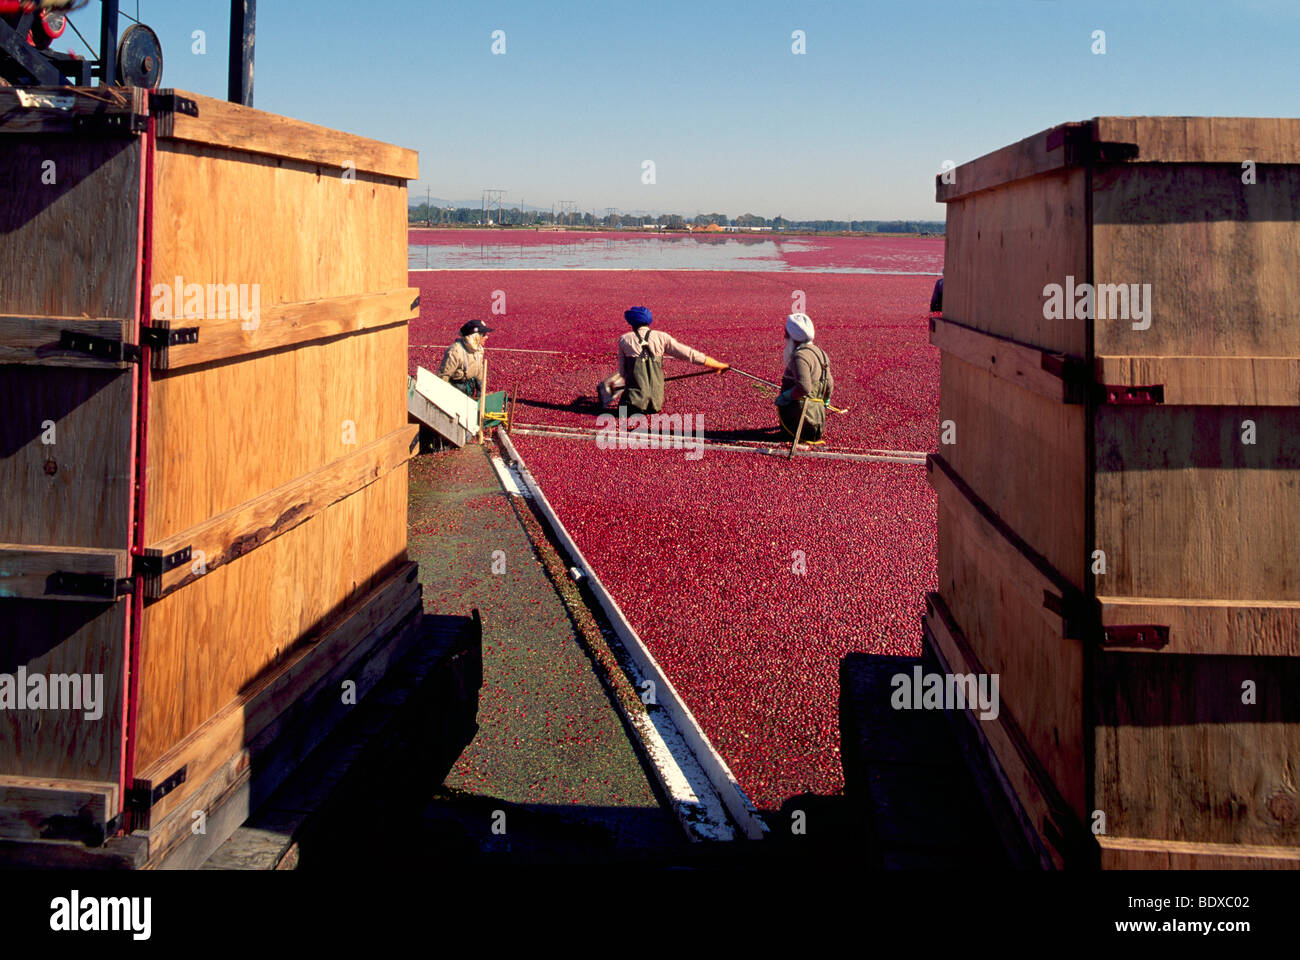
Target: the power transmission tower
pixel 568 207
pixel 489 196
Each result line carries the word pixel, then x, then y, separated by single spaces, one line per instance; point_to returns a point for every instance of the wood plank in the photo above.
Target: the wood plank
pixel 77 490
pixel 1219 256
pixel 1025 366
pixel 207 748
pixel 1183 753
pixel 194 475
pixel 1185 510
pixel 85 226
pixel 435 418
pixel 1134 853
pixel 63 110
pixel 286 324
pixel 1212 626
pixel 1209 381
pixel 1004 246
pixel 236 532
pixel 237 127
pixel 198 652
pixel 1023 454
pixel 1035 155
pixel 1227 140
pixel 1034 792
pixel 28 571
pixel 54 639
pixel 35 808
pixel 35 340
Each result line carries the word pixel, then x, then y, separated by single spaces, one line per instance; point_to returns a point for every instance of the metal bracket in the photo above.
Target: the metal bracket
pixel 155 565
pixel 1149 636
pixel 101 348
pixel 415 303
pixel 1132 396
pixel 1082 150
pixel 160 338
pixel 140 797
pixel 169 102
pixel 110 123
pixel 89 585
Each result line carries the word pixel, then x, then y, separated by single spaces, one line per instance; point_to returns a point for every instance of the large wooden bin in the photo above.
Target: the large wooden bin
pixel 204 495
pixel 1119 500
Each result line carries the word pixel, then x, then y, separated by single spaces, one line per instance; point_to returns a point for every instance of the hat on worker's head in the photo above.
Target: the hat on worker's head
pixel 638 316
pixel 799 326
pixel 474 326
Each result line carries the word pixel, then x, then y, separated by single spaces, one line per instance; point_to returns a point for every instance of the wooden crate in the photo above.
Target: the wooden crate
pixel 205 495
pixel 1119 437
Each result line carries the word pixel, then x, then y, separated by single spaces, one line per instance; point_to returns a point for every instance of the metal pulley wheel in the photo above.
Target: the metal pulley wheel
pixel 139 58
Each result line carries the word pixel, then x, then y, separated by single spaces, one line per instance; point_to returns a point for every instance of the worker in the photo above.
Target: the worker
pixel 639 382
pixel 462 364
pixel 806 384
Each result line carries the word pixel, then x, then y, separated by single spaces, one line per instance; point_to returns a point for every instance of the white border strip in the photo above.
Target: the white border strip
pixel 738 804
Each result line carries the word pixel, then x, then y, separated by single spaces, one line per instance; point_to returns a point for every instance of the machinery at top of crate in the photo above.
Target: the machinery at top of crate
pixel 28 29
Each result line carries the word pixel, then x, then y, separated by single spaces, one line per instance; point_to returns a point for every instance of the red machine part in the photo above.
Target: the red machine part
pixel 46 28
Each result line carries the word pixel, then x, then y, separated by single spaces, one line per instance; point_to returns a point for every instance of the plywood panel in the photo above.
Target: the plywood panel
pixel 1185 509
pixel 84 226
pixel 266 420
pixel 50 638
pixel 1221 258
pixel 1004 246
pixel 1040 671
pixel 299 231
pixel 1179 756
pixel 1024 455
pixel 207 641
pixel 76 491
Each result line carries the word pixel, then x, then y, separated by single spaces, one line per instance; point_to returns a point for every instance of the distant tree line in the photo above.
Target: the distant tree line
pixel 422 213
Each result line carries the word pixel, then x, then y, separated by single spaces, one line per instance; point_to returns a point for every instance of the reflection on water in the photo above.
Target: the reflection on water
pixel 655 253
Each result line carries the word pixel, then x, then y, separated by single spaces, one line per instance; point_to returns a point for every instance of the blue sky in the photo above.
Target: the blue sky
pixel 711 92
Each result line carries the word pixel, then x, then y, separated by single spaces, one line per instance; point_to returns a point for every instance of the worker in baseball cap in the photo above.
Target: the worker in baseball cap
pixel 806 384
pixel 462 364
pixel 640 363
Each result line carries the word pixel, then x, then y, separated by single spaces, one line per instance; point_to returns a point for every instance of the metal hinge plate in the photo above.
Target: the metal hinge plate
pixel 140 797
pixel 160 338
pixel 169 102
pixel 89 585
pixel 155 565
pixel 1148 636
pixel 1131 396
pixel 101 348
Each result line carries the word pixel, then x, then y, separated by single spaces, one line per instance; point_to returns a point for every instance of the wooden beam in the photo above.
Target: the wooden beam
pixel 206 750
pixel 28 570
pixel 1230 140
pixel 1041 153
pixel 1209 381
pixel 230 535
pixel 1133 853
pixel 68 110
pixel 236 127
pixel 33 809
pixel 284 325
pixel 1212 626
pixel 35 340
pixel 1041 371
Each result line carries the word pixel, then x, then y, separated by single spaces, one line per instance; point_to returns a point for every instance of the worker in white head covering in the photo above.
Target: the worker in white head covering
pixel 806 384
